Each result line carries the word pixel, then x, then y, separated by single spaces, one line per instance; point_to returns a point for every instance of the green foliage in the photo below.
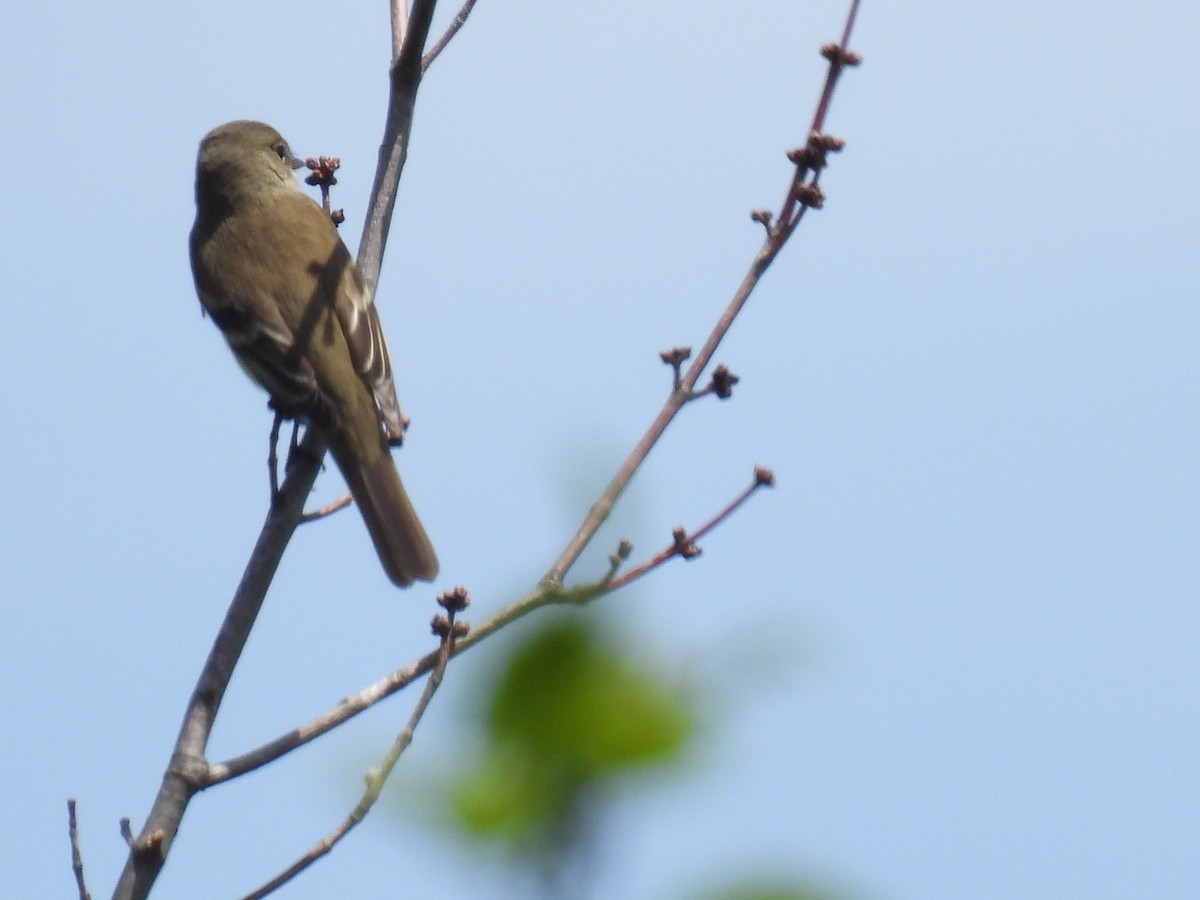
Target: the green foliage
pixel 567 716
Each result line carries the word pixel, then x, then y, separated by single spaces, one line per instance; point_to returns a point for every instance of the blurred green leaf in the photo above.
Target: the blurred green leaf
pixel 504 798
pixel 566 697
pixel 567 715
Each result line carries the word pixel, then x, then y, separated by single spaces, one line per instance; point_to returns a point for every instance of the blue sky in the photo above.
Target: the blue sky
pixel 952 655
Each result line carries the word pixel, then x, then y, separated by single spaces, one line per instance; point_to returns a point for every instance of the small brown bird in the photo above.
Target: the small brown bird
pixel 275 276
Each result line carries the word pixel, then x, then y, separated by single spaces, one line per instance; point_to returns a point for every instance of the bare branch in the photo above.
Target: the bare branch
pixel 685 545
pixel 680 395
pixel 393 151
pixel 327 510
pixel 459 21
pixel 272 458
pixel 76 853
pixel 447 629
pixel 350 707
pixel 675 358
pixel 187 770
pixel 346 709
pixel 777 236
pixel 839 58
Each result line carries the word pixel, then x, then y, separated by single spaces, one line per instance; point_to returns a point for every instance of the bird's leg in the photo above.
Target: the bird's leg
pixel 272 459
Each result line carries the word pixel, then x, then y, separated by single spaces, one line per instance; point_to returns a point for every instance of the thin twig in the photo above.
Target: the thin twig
pixel 346 709
pixel 349 707
pixel 838 57
pixel 686 545
pixel 272 456
pixel 684 387
pixel 76 853
pixel 459 21
pixel 323 176
pixel 377 777
pixel 405 79
pixel 327 510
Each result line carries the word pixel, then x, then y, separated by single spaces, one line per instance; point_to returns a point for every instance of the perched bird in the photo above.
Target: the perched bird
pixel 278 281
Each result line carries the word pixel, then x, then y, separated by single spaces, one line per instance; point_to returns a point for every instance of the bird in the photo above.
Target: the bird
pixel 272 272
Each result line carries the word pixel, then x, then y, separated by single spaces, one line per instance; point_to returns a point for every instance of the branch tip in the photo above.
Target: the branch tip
pixel 446 626
pixel 76 851
pixel 321 176
pixel 455 600
pixel 763 477
pixel 321 170
pixel 675 358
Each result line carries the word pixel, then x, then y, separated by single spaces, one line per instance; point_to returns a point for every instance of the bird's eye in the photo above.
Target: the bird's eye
pixel 282 149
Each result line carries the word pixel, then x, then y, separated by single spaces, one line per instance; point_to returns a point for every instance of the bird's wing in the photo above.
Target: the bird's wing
pixel 266 350
pixel 356 312
pixel 252 320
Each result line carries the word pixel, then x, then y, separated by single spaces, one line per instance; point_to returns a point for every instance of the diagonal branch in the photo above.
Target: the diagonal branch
pixel 185 772
pixel 796 202
pixel 684 544
pixel 448 629
pixel 76 853
pixel 393 151
pixel 459 21
pixel 346 709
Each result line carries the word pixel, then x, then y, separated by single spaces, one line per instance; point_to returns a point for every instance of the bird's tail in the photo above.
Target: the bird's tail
pixel 400 539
